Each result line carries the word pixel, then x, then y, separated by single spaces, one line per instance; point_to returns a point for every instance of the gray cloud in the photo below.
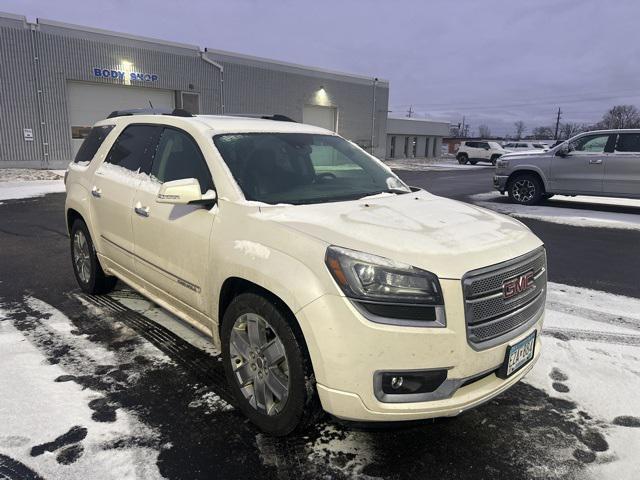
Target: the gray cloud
pixel 494 61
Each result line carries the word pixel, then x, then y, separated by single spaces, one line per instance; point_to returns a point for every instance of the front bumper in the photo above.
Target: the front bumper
pixel 347 350
pixel 500 182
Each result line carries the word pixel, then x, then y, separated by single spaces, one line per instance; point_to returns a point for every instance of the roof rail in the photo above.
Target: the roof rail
pixel 176 112
pixel 276 116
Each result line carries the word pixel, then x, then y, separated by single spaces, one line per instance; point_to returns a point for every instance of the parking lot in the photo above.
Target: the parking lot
pixel 115 387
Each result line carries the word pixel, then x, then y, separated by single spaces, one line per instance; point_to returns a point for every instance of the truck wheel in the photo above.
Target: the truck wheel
pixel 267 366
pixel 86 267
pixel 525 189
pixel 463 158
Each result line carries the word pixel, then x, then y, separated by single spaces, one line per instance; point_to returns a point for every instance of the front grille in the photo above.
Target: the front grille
pixel 491 318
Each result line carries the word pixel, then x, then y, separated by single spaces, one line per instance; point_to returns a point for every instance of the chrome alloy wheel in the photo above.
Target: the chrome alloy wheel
pixel 82 256
pixel 524 190
pixel 259 362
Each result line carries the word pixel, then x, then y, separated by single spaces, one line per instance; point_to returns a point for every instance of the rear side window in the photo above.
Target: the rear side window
pixel 134 148
pixel 177 157
pixel 628 142
pixel 92 143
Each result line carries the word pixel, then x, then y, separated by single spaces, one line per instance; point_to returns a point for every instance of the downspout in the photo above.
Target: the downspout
pixel 373 115
pixel 41 123
pixel 219 67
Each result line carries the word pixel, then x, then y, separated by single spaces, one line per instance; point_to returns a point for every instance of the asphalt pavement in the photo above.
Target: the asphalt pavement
pixel 168 387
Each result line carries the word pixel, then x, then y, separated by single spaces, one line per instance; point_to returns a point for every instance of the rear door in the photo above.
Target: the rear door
pixel 582 170
pixel 112 191
pixel 622 168
pixel 172 241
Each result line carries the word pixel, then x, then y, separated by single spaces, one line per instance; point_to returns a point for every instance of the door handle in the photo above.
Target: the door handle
pixel 142 211
pixel 96 192
pixel 595 161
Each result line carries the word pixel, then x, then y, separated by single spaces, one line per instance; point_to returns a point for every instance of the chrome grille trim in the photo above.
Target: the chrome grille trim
pixel 490 318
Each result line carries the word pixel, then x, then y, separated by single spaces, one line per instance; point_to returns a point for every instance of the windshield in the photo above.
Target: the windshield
pixel 495 145
pixel 303 168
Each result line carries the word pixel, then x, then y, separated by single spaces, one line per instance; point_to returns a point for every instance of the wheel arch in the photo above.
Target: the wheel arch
pixel 234 286
pixel 528 171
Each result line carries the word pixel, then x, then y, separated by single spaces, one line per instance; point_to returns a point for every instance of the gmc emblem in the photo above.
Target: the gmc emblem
pixel 517 285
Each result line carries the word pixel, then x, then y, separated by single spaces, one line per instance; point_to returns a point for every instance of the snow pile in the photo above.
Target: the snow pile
pixel 434 164
pixel 52 424
pixel 569 210
pixel 591 356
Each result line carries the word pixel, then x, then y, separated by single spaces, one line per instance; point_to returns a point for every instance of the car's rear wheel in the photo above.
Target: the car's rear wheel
pixel 86 267
pixel 267 366
pixel 463 158
pixel 525 189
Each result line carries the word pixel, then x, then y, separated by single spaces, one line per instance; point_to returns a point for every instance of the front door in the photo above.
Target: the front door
pixel 622 168
pixel 582 170
pixel 112 192
pixel 172 241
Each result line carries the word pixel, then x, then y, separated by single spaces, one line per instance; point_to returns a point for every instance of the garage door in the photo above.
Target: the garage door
pixel 324 117
pixel 90 102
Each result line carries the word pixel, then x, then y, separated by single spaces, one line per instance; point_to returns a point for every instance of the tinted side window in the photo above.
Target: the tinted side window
pixel 470 144
pixel 178 157
pixel 133 149
pixel 92 143
pixel 591 143
pixel 628 142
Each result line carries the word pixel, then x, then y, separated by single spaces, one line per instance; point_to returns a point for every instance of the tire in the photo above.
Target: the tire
pixel 251 368
pixel 494 159
pixel 86 267
pixel 526 189
pixel 473 162
pixel 463 158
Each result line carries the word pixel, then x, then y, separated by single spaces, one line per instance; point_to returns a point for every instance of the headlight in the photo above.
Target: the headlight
pixel 377 279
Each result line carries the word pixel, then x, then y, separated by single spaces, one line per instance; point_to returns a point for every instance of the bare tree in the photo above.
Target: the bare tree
pixel 520 129
pixel 621 116
pixel 542 133
pixel 484 131
pixel 569 129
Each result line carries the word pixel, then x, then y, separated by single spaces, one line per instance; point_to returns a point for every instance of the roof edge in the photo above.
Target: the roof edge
pixel 112 33
pixel 270 61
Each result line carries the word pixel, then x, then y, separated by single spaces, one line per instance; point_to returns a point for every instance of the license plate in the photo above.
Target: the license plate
pixel 518 356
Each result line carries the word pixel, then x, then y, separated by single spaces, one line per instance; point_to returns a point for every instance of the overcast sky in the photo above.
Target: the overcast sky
pixel 494 61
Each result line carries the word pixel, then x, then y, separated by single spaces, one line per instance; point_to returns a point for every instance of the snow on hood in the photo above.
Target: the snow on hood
pixel 443 236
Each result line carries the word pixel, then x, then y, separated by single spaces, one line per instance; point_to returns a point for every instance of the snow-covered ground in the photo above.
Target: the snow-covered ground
pixel 579 211
pixel 26 183
pixel 431 164
pixel 590 357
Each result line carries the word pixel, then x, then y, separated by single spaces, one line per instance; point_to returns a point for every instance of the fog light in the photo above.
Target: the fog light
pixel 402 383
pixel 396 382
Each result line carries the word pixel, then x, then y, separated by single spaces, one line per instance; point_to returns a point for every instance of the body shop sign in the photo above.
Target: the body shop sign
pixel 124 76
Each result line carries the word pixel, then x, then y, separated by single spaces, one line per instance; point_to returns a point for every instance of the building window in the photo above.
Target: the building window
pixel 392 149
pixel 406 147
pixel 436 153
pixel 426 146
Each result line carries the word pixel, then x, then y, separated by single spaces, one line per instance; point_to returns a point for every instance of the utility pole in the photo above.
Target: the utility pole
pixel 410 111
pixel 462 134
pixel 557 124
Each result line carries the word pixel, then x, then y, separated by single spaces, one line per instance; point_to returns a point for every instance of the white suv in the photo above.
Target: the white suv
pixel 472 151
pixel 326 282
pixel 523 146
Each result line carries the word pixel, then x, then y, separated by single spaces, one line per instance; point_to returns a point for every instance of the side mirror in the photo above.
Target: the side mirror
pixel 184 192
pixel 564 150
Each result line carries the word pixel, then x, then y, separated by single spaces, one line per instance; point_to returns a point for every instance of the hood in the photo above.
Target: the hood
pixel 443 236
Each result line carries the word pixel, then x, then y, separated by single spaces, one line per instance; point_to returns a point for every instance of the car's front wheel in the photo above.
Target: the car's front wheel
pixel 86 267
pixel 463 158
pixel 267 366
pixel 525 189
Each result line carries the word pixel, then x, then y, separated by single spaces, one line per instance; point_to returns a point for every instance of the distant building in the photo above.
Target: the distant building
pixel 415 137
